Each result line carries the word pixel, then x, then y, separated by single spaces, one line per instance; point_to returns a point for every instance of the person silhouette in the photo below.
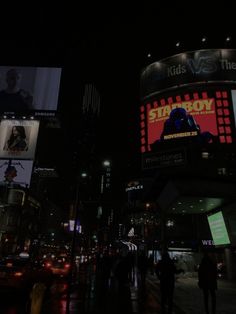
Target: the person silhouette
pixel 121 273
pixel 13 98
pixel 142 264
pixel 165 271
pixel 207 281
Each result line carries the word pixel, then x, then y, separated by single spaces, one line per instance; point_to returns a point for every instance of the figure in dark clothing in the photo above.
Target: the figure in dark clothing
pixel 105 269
pixel 131 263
pixel 142 269
pixel 207 281
pixel 166 270
pixel 151 264
pixel 121 272
pixel 103 273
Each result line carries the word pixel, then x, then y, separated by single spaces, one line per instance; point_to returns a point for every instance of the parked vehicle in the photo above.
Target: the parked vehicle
pixel 21 273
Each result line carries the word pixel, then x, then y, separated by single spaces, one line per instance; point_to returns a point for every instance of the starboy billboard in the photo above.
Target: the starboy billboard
pixel 198 115
pixel 215 65
pixel 194 118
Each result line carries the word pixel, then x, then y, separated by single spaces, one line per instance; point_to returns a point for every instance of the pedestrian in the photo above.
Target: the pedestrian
pixel 166 270
pixel 121 273
pixel 151 264
pixel 142 264
pixel 207 282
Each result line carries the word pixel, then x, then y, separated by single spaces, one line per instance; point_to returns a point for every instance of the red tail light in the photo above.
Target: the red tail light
pixel 67 266
pixel 48 265
pixel 18 274
pixel 9 264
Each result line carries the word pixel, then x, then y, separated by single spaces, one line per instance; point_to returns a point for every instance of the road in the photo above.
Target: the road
pixel 90 296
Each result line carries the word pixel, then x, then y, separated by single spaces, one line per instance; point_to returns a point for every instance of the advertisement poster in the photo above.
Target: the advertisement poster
pixel 233 93
pixel 16 172
pixel 18 138
pixel 29 89
pixel 205 65
pixel 183 119
pixel 218 229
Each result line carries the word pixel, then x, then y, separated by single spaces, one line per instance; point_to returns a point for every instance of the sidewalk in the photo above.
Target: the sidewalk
pixel 131 300
pixel 153 290
pixel 189 297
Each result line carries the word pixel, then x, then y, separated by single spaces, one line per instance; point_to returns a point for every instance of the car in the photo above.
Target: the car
pixel 14 272
pixel 21 273
pixel 60 267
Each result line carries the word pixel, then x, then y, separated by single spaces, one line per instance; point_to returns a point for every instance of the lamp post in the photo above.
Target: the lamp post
pixel 105 176
pixel 104 186
pixel 73 243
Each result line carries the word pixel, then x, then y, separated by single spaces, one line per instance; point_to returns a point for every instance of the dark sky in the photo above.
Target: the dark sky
pixel 108 43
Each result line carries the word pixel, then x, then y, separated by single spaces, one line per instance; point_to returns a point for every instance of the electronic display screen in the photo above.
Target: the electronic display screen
pixel 218 229
pixel 25 90
pixel 18 138
pixel 200 116
pixel 16 172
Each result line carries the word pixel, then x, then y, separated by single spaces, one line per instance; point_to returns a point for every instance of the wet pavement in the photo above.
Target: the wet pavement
pixel 93 297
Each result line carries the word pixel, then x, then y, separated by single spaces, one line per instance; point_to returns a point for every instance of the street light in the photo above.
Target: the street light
pixel 105 178
pixel 72 253
pixel 106 163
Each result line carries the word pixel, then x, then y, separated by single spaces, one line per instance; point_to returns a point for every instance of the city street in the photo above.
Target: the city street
pixel 117 159
pixel 90 296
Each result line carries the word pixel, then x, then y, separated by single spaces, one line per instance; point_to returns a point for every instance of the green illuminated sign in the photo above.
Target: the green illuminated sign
pixel 218 229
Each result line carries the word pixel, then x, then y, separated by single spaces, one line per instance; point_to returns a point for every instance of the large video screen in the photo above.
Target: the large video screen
pixel 199 116
pixel 29 89
pixel 18 138
pixel 16 172
pixel 205 65
pixel 218 229
pixel 233 92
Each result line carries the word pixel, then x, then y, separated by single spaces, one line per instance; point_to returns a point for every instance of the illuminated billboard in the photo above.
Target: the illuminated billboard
pixel 18 138
pixel 197 115
pixel 26 90
pixel 233 93
pixel 218 229
pixel 206 65
pixel 72 226
pixel 16 172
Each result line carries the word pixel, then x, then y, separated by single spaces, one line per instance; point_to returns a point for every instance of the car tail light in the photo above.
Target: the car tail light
pixel 18 274
pixel 67 266
pixel 9 264
pixel 48 265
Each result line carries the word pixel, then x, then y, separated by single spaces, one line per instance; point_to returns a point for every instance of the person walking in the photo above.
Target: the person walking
pixel 165 271
pixel 207 282
pixel 142 264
